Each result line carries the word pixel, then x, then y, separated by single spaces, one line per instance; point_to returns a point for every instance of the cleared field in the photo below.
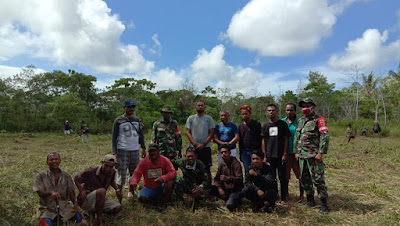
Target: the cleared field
pixel 363 183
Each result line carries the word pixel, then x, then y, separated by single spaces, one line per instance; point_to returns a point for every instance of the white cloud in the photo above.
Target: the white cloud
pixel 209 68
pixel 166 79
pixel 68 32
pixel 8 71
pixel 367 52
pixel 157 47
pixel 283 27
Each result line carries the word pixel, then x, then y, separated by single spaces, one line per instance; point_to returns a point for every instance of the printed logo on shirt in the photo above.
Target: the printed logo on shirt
pixel 273 131
pixel 154 173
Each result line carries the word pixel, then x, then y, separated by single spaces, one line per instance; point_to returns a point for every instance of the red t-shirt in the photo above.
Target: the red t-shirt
pixel 150 171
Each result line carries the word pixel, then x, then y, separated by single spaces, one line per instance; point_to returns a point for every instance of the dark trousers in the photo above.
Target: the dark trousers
pixel 270 196
pixel 233 197
pixel 277 165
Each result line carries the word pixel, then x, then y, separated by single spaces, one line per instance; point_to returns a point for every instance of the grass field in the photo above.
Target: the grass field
pixel 363 182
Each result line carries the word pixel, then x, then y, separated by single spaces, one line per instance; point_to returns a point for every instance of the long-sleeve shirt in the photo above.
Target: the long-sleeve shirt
pixel 311 137
pixel 168 135
pixel 127 134
pixel 263 181
pixel 152 170
pixel 250 136
pixel 233 170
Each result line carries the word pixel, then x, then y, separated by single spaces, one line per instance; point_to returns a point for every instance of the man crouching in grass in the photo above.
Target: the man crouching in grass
pixel 158 173
pixel 260 184
pixel 194 180
pixel 55 188
pixel 92 195
pixel 228 182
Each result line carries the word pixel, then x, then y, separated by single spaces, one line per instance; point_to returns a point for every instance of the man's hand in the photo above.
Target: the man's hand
pixel 159 180
pixel 296 156
pixel 200 147
pixel 260 193
pixel 221 192
pixel 55 195
pixel 75 207
pixel 83 194
pixel 252 172
pixel 224 178
pixel 196 192
pixel 284 157
pixel 318 157
pixel 144 153
pixel 118 193
pixel 116 156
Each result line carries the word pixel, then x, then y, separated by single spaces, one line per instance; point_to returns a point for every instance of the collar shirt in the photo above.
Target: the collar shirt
pixel 45 181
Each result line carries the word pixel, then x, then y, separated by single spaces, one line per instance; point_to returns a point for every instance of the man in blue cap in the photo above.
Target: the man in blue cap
pixel 127 135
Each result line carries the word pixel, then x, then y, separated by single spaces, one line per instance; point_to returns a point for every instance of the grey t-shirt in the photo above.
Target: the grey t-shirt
pixel 200 127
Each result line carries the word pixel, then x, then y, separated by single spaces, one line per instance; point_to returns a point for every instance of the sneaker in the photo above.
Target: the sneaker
pixel 130 195
pixel 324 209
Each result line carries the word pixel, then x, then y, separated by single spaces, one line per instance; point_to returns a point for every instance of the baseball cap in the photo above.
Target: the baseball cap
pixel 129 103
pixel 109 158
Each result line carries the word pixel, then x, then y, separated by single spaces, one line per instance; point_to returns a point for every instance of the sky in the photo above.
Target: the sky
pixel 255 47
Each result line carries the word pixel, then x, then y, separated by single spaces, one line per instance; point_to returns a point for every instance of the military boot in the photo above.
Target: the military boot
pixel 324 209
pixel 310 201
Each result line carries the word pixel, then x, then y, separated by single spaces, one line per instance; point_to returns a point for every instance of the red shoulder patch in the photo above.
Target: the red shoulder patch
pixel 322 126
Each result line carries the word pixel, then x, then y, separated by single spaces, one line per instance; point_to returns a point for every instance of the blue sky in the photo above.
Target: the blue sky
pixel 254 47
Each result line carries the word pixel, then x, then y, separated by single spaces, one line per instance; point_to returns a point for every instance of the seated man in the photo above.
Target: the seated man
pixel 158 173
pixel 228 182
pixel 92 195
pixel 260 184
pixel 194 180
pixel 55 188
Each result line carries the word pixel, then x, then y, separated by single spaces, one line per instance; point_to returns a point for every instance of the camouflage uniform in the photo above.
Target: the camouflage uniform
pixel 168 135
pixel 191 178
pixel 311 138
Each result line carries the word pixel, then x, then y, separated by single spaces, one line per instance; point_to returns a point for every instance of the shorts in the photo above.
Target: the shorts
pixel 205 156
pixel 90 203
pixel 151 192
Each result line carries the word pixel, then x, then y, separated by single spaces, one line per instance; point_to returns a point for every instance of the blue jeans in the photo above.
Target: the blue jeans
pixel 151 193
pixel 245 157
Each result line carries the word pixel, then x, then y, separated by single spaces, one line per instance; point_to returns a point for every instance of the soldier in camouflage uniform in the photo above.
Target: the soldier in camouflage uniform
pixel 194 180
pixel 311 142
pixel 167 134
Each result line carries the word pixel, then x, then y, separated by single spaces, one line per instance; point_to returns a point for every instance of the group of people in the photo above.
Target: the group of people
pixel 267 152
pixel 84 132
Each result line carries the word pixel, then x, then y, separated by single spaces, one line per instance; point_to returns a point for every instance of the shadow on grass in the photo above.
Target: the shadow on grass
pixel 350 204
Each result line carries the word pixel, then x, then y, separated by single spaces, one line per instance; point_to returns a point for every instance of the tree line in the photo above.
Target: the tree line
pixel 43 102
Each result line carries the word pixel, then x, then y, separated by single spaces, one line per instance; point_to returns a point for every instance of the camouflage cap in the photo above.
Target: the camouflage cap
pixel 306 100
pixel 166 108
pixel 154 146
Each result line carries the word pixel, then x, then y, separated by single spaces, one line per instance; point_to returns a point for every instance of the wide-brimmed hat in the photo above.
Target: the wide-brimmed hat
pixel 166 109
pixel 306 100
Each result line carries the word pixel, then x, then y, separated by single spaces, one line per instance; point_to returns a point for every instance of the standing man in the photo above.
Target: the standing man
pixel 249 137
pixel 363 130
pixel 167 135
pixel 200 131
pixel 55 189
pixel 92 195
pixel 275 135
pixel 227 133
pixel 291 163
pixel 85 132
pixel 158 174
pixel 127 135
pixel 228 182
pixel 67 128
pixel 311 142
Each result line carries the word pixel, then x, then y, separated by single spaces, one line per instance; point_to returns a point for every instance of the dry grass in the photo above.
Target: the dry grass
pixel 363 181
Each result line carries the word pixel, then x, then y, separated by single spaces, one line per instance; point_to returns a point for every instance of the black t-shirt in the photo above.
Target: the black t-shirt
pixel 249 136
pixel 275 133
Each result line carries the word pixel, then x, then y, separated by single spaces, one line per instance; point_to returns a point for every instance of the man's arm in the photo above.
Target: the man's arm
pixel 237 176
pixel 171 172
pixel 264 147
pixel 115 133
pixel 190 137
pixel 154 132
pixel 234 140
